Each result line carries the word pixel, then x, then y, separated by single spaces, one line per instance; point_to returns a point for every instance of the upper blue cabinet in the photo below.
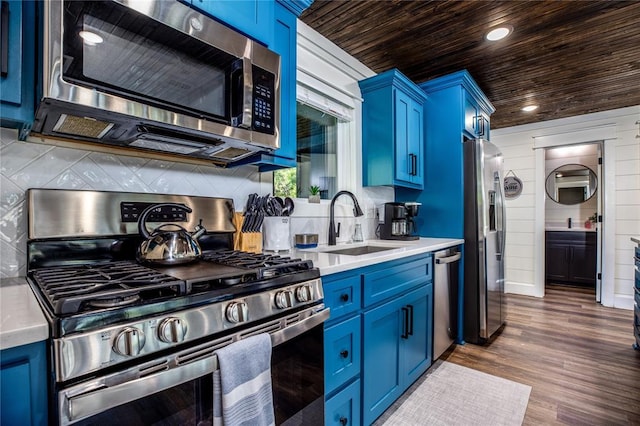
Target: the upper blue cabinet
pixel 392 131
pixel 455 109
pixel 17 79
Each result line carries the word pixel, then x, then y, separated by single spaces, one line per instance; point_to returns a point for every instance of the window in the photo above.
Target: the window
pixel 318 134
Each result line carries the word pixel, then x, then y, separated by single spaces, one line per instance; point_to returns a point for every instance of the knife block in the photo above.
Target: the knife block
pixel 246 241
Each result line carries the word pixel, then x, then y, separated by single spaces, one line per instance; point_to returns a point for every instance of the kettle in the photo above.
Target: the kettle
pixel 168 247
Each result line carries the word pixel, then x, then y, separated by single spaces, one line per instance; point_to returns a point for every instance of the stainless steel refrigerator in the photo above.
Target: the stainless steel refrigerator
pixel 484 235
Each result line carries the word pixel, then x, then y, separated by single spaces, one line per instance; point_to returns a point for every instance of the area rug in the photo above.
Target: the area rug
pixel 449 394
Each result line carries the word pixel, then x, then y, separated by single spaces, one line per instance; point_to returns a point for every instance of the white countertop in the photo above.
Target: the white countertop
pixel 21 319
pixel 330 263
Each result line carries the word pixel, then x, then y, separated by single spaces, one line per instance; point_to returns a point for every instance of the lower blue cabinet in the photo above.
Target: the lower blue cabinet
pixel 343 409
pixel 397 347
pixel 341 353
pixel 23 385
pixel 378 339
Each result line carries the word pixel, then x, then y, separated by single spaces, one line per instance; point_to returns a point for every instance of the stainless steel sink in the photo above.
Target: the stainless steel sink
pixel 357 251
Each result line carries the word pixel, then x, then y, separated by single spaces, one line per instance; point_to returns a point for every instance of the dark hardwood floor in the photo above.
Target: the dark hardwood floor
pixel 576 355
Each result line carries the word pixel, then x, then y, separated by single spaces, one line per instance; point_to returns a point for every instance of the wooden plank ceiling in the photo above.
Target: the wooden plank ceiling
pixel 568 57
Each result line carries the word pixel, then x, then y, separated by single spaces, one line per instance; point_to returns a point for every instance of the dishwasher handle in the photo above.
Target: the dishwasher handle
pixel 449 259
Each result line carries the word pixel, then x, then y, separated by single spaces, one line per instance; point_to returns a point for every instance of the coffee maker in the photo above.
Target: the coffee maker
pixel 398 222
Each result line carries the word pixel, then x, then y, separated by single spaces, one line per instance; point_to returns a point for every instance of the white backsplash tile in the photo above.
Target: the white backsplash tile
pixel 26 165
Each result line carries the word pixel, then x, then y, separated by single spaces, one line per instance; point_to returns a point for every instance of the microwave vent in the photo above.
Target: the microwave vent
pixel 82 126
pixel 231 153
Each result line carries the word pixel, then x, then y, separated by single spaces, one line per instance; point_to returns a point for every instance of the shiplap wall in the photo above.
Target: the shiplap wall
pixel 525 230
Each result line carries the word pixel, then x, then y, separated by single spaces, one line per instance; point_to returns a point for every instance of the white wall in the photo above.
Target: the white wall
pixel 621 186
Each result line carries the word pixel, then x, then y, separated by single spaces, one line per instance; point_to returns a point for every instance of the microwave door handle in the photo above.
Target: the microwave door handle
pixel 247 94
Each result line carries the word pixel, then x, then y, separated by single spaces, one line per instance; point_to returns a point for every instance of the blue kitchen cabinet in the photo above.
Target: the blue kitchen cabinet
pixel 344 408
pixel 23 385
pixel 397 335
pixel 392 131
pixel 342 347
pixel 454 103
pixel 17 79
pixel 381 316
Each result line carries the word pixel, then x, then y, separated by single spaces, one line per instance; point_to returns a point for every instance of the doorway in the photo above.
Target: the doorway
pixel 573 216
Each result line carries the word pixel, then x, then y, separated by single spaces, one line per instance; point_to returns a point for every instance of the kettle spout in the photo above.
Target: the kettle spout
pixel 199 231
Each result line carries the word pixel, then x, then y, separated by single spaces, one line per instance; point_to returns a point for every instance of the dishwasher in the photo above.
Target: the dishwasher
pixel 445 300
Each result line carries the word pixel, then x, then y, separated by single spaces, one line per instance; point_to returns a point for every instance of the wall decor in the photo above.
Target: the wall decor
pixel 512 185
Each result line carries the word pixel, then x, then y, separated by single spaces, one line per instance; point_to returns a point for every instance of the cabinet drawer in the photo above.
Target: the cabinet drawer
pixel 396 279
pixel 342 296
pixel 344 407
pixel 341 353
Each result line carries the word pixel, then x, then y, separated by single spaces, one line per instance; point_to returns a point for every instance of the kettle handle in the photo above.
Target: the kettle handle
pixel 142 225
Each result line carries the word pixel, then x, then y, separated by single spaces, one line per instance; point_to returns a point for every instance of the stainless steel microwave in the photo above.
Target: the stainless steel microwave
pixel 156 76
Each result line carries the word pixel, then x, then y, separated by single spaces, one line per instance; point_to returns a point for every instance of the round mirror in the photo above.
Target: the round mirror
pixel 571 184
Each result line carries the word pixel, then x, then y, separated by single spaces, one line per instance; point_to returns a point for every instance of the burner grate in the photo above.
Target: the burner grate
pixel 267 265
pixel 71 289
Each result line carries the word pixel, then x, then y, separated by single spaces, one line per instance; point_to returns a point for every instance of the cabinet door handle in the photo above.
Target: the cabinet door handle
pixel 4 25
pixel 414 165
pixel 344 297
pixel 343 421
pixel 410 332
pixel 344 353
pixel 405 322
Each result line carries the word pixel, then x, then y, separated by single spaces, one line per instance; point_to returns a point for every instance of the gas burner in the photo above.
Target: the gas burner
pixel 71 289
pixel 114 302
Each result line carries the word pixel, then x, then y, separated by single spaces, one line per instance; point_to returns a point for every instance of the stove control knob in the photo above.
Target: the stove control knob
pixel 237 312
pixel 304 293
pixel 284 299
pixel 172 330
pixel 129 341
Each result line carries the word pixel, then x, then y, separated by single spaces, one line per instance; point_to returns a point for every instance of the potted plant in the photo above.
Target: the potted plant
pixel 314 194
pixel 591 221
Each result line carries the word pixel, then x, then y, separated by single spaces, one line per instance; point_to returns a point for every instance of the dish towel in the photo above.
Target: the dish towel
pixel 242 392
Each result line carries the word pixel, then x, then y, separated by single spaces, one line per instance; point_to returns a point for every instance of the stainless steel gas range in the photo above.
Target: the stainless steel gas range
pixel 135 342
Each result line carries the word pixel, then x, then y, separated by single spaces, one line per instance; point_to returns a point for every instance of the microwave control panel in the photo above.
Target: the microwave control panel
pixel 263 101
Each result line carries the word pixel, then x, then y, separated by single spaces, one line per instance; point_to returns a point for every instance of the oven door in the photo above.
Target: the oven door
pixel 178 389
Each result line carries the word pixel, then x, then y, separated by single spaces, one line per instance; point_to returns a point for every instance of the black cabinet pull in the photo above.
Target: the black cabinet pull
pixel 344 297
pixel 343 421
pixel 405 323
pixel 410 328
pixel 413 164
pixel 344 353
pixel 4 25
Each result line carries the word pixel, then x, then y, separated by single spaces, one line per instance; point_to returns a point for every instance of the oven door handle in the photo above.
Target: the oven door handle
pixel 99 396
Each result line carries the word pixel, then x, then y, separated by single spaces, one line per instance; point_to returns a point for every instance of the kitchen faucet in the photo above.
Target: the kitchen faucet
pixel 357 211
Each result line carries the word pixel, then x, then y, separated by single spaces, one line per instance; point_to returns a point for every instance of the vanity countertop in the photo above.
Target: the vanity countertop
pixel 572 229
pixel 330 263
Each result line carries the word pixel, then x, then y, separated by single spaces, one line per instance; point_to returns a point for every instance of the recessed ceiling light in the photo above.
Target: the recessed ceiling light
pixel 499 33
pixel 90 38
pixel 530 108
